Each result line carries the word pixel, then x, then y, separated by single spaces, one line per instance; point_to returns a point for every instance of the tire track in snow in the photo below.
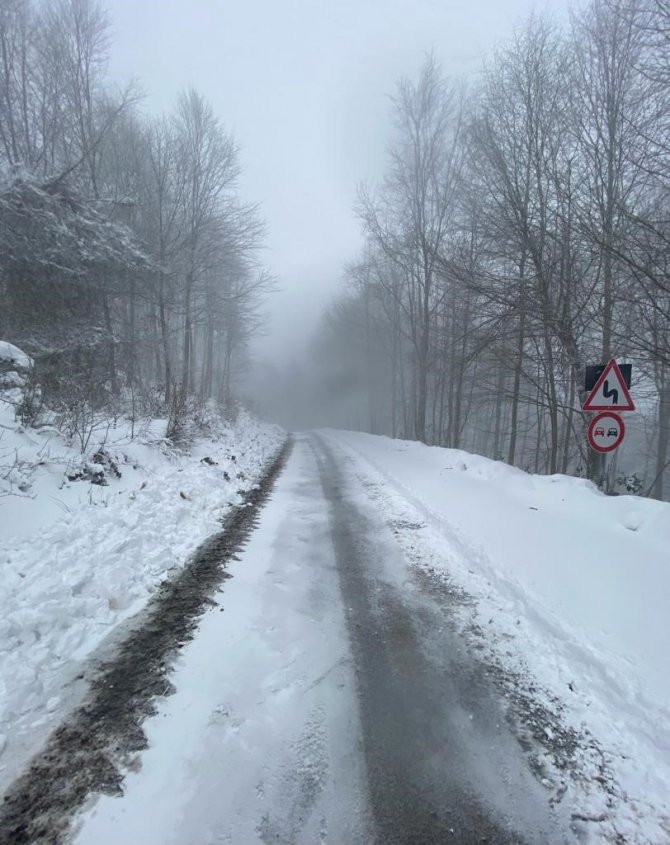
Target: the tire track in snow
pixel 442 763
pixel 85 753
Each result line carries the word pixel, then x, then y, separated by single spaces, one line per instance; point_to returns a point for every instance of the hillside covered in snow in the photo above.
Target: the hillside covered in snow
pixel 88 534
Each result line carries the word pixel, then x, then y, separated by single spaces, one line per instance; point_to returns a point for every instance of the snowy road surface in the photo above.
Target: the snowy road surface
pixel 328 698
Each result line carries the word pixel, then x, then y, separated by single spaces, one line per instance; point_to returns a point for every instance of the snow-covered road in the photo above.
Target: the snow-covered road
pixel 329 697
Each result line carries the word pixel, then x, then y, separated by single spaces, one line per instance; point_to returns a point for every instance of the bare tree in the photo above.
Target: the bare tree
pixel 409 218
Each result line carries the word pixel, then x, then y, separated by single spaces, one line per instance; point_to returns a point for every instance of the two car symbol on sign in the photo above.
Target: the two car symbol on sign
pixel 606 431
pixel 611 432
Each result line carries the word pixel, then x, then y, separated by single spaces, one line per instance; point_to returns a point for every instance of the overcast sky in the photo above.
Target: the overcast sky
pixel 303 85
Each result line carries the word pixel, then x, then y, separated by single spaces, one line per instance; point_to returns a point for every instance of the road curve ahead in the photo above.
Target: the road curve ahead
pixel 327 698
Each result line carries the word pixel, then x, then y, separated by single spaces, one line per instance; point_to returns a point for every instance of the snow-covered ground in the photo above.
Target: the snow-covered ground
pixel 77 558
pixel 261 741
pixel 569 589
pixel 572 590
pixel 14 357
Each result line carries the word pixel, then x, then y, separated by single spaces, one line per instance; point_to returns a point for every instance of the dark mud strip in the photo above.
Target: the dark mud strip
pixel 87 752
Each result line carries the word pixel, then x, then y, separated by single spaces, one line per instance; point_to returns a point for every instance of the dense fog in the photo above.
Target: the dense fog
pixel 507 228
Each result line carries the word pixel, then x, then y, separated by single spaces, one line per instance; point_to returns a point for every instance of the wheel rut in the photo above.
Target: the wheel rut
pixel 87 752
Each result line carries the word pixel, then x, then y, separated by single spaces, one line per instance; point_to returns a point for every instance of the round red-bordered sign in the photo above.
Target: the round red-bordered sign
pixel 606 432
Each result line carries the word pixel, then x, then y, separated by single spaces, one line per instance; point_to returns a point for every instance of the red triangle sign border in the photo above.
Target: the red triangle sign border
pixel 611 369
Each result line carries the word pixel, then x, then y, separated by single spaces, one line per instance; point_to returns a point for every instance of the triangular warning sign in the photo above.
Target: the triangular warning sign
pixel 610 392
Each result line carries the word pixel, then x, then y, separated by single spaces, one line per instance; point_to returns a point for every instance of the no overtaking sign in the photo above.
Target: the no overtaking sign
pixel 609 395
pixel 606 431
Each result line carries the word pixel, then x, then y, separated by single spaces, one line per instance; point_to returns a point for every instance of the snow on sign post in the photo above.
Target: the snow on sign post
pixel 606 432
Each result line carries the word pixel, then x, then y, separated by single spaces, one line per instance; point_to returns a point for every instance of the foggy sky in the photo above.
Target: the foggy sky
pixel 303 85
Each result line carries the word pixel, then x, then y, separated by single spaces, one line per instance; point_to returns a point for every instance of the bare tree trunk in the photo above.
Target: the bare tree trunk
pixel 132 334
pixel 206 387
pixel 443 407
pixel 516 389
pixel 497 434
pixel 460 369
pixel 165 338
pixel 569 422
pixel 540 429
pixel 113 377
pixel 372 415
pixel 187 337
pixel 422 388
pixel 552 397
pixel 663 440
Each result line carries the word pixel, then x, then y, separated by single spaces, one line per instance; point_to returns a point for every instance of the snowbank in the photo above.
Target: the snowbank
pixel 574 584
pixel 77 558
pixel 12 355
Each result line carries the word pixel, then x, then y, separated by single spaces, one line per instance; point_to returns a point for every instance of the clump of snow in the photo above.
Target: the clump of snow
pixel 573 583
pixel 11 379
pixel 12 355
pixel 85 540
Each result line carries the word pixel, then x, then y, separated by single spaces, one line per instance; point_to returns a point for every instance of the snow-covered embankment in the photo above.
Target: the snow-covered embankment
pixel 574 588
pixel 77 558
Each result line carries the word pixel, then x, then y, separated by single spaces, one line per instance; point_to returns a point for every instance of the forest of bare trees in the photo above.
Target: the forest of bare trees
pixel 521 232
pixel 129 267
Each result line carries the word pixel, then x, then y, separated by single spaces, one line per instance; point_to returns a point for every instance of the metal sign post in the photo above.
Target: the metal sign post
pixel 609 395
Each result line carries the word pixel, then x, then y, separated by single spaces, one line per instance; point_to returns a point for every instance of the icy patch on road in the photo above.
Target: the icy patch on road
pixel 564 591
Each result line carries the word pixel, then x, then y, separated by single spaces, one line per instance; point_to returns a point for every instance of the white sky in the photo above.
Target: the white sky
pixel 303 85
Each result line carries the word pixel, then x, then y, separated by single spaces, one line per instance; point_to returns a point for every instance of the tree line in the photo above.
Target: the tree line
pixel 128 262
pixel 521 232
